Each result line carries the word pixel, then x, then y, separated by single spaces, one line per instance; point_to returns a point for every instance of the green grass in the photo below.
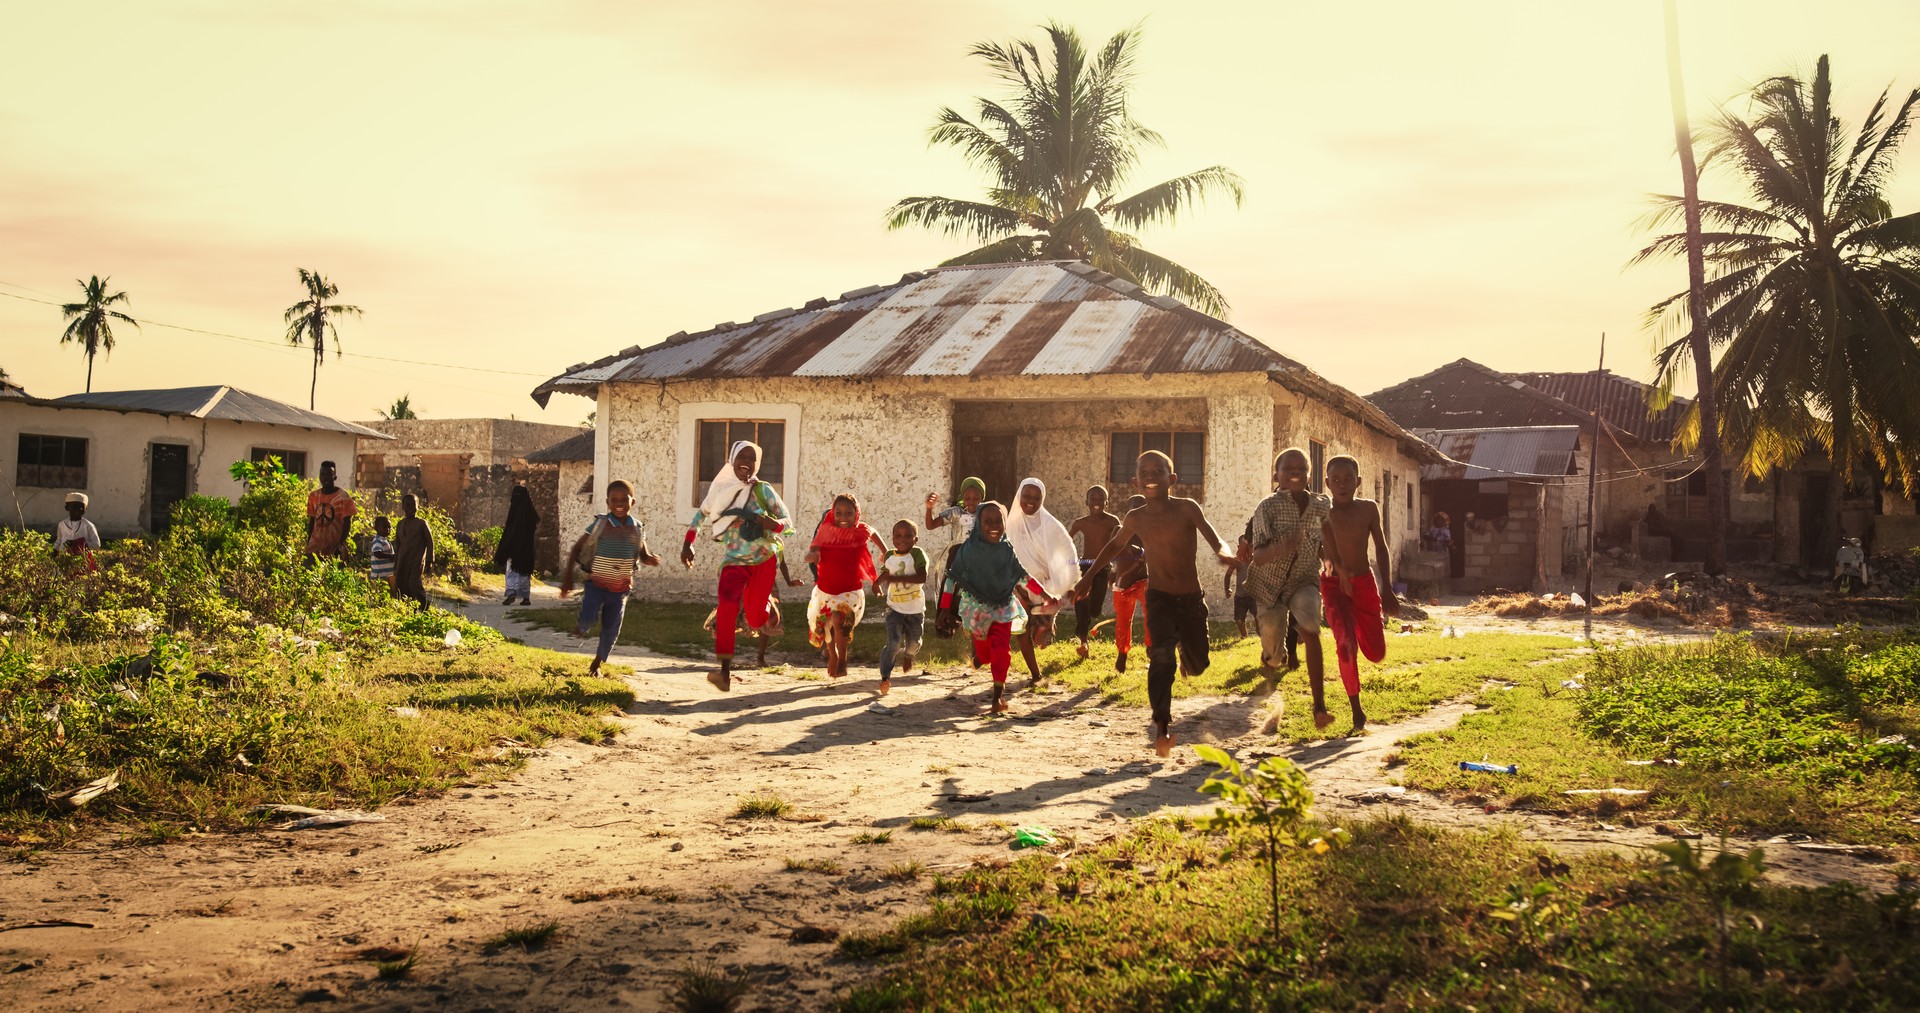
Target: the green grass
pixel 762 807
pixel 1771 738
pixel 1404 916
pixel 873 837
pixel 936 823
pixel 199 753
pixel 824 866
pixel 531 937
pixel 706 988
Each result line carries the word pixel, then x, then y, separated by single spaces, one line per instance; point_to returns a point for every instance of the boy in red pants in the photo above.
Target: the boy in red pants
pixel 1354 603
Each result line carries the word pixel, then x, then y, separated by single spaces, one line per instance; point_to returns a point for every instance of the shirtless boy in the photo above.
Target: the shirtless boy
pixel 1168 528
pixel 1353 601
pixel 1094 530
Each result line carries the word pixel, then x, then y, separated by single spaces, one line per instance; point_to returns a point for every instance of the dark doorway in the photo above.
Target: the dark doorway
pixel 166 484
pixel 1813 518
pixel 988 458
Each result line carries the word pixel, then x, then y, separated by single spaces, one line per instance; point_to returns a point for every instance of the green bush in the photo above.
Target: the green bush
pixel 486 542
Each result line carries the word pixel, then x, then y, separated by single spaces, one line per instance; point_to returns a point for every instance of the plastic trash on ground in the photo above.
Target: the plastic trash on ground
pixel 1490 768
pixel 1578 602
pixel 1605 791
pixel 1032 837
pixel 453 638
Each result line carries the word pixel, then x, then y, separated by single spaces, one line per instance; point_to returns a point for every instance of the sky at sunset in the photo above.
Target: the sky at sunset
pixel 521 186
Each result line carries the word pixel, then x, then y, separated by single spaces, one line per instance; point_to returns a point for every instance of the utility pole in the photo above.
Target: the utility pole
pixel 1593 484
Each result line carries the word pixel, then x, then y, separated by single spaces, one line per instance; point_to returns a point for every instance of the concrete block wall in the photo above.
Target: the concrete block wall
pixel 1505 556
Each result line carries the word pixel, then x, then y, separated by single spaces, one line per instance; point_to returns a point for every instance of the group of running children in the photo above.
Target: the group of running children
pixel 1013 568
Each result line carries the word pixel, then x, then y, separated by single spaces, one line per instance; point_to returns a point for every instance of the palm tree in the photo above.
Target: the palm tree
pixel 311 319
pixel 402 408
pixel 1059 153
pixel 91 320
pixel 1814 289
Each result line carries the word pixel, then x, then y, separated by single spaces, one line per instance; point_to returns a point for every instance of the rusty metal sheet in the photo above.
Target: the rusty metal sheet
pixel 977 331
pixel 1087 338
pixel 1024 339
pixel 1529 452
pixel 900 354
pixel 871 335
pixel 822 330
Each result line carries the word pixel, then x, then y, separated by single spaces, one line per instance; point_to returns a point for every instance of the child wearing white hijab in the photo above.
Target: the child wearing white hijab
pixel 1045 551
pixel 746 517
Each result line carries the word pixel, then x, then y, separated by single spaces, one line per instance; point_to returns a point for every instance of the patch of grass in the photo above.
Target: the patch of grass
pixel 903 872
pixel 762 807
pixel 873 837
pixel 937 823
pixel 939 768
pixel 705 988
pixel 531 937
pixel 1770 737
pixel 661 894
pixel 825 866
pixel 1404 916
pixel 391 970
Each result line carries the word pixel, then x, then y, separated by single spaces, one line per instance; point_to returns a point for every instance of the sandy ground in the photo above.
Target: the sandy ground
pixel 274 919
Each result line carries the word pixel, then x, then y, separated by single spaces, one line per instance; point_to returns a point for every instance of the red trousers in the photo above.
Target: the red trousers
pixel 1125 600
pixel 1353 613
pixel 997 649
pixel 748 586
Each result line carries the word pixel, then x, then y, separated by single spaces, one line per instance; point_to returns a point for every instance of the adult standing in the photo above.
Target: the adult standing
pixel 330 513
pixel 413 552
pixel 515 552
pixel 746 517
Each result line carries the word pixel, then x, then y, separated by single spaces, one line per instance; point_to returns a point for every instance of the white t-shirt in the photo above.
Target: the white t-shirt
pixel 906 598
pixel 77 531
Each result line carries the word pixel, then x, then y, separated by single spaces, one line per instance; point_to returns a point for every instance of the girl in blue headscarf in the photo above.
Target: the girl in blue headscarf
pixel 984 573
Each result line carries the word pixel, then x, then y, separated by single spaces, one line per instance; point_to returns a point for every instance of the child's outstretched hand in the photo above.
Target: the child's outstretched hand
pixel 933 498
pixel 1389 603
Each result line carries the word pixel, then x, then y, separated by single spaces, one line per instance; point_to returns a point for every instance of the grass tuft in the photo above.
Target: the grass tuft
pixel 706 988
pixel 762 807
pixel 531 937
pixel 873 837
pixel 902 872
pixel 821 865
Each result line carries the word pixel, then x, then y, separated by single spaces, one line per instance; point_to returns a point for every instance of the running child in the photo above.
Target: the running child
pixel 902 583
pixel 984 573
pixel 1045 550
pixel 380 553
pixel 611 549
pixel 842 570
pixel 961 515
pixel 1094 530
pixel 1354 602
pixel 1169 528
pixel 1129 591
pixel 1283 551
pixel 746 517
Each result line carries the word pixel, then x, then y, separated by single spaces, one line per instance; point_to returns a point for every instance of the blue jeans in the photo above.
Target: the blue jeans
pixel 903 634
pixel 609 607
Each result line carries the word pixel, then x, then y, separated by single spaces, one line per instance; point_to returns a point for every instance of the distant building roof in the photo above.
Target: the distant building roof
pixel 1521 453
pixel 216 402
pixel 10 389
pixel 1625 403
pixel 573 448
pixel 1463 394
pixel 1043 318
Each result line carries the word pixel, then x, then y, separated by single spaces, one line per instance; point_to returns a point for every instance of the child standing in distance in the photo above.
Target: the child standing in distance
pixel 1354 602
pixel 1094 530
pixel 612 548
pixel 412 552
pixel 1129 590
pixel 380 553
pixel 1168 528
pixel 903 583
pixel 985 571
pixel 76 536
pixel 1045 551
pixel 746 517
pixel 843 569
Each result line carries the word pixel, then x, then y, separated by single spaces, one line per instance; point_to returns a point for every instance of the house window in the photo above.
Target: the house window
pixel 1316 461
pixel 1187 449
pixel 716 436
pixel 52 462
pixel 294 462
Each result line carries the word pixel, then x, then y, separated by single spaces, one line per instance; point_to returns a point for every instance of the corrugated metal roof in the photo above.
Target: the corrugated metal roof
pixel 1624 403
pixel 1048 318
pixel 1523 452
pixel 1463 394
pixel 213 402
pixel 573 448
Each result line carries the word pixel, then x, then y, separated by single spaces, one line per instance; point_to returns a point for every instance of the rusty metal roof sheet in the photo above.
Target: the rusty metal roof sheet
pixel 212 402
pixel 1527 452
pixel 1625 404
pixel 1046 318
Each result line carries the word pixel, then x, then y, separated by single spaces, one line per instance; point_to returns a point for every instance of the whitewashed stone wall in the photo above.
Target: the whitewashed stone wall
pixel 1300 420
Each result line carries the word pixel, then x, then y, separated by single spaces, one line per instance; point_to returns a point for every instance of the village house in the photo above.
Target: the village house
pixel 1047 369
pixel 136 453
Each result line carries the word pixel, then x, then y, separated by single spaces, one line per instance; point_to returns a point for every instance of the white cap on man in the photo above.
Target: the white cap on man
pixel 77 497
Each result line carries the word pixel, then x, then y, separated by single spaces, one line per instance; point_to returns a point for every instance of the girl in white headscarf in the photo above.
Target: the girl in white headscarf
pixel 1046 553
pixel 746 517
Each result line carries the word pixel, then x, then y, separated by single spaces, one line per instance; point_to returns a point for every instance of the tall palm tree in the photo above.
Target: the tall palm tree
pixel 1814 294
pixel 312 319
pixel 90 321
pixel 402 408
pixel 1059 153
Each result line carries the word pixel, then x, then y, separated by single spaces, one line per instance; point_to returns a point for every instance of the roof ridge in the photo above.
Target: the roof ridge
pixel 219 393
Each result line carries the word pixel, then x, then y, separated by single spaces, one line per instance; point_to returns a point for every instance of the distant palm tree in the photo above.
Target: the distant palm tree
pixel 91 320
pixel 311 319
pixel 402 408
pixel 1059 153
pixel 1814 293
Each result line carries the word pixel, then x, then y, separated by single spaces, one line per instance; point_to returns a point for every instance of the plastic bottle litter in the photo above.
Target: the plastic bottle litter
pixel 1578 602
pixel 1490 768
pixel 1032 837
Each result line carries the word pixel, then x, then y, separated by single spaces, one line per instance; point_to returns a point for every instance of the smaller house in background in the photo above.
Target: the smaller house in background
pixel 466 467
pixel 136 453
pixel 575 499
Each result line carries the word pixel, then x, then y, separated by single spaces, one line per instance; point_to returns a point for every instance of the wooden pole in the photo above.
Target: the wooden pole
pixel 1593 484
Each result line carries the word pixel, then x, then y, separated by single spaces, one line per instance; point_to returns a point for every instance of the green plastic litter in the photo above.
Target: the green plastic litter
pixel 1032 837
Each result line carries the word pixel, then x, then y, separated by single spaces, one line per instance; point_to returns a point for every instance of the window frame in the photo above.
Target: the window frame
pixel 703 470
pixel 63 474
pixel 1195 489
pixel 259 455
pixel 1316 466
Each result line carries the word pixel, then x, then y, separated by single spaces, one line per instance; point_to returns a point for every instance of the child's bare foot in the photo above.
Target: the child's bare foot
pixel 722 678
pixel 594 668
pixel 1359 716
pixel 1080 648
pixel 1322 717
pixel 1163 742
pixel 1120 662
pixel 580 632
pixel 999 698
pixel 906 661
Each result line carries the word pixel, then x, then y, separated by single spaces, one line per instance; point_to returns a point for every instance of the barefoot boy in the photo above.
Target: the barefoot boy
pixel 1284 539
pixel 1094 530
pixel 1354 602
pixel 1129 590
pixel 903 584
pixel 1168 528
pixel 611 549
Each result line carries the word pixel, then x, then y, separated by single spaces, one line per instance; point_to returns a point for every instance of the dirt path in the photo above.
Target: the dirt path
pixel 266 920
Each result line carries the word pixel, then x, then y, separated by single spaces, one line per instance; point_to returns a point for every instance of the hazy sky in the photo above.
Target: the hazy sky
pixel 521 186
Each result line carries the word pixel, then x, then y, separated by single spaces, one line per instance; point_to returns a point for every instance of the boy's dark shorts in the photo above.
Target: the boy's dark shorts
pixel 1178 619
pixel 1243 609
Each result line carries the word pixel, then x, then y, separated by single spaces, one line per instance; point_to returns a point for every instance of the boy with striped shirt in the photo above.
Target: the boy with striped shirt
pixel 611 548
